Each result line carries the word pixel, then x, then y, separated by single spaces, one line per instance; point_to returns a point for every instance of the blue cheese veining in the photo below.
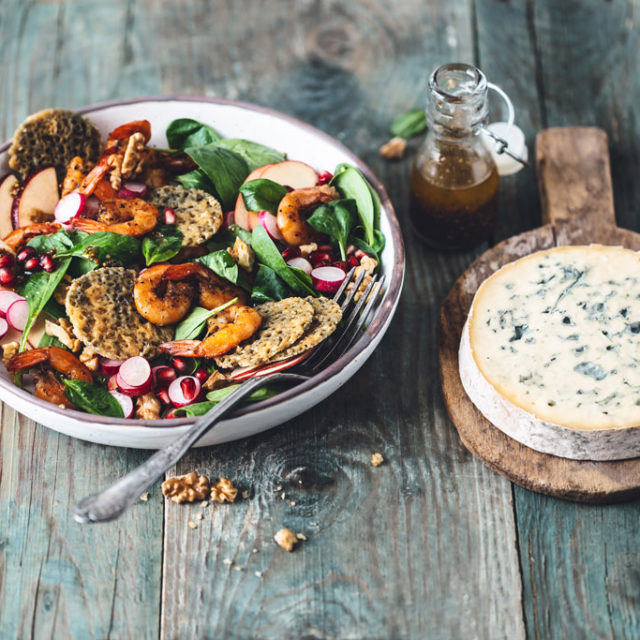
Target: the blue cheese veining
pixel 555 337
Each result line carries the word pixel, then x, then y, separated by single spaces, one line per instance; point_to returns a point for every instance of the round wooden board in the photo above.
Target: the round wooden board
pixel 579 480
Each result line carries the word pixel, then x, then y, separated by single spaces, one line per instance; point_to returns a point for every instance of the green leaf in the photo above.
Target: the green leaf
pixel 409 124
pixel 351 184
pixel 268 254
pixel 214 397
pixel 186 132
pixel 336 219
pixel 162 244
pixel 221 263
pixel 372 251
pixel 51 341
pixel 262 195
pixel 105 247
pixel 254 154
pixel 92 398
pixel 196 179
pixel 58 241
pixel 193 325
pixel 226 170
pixel 80 266
pixel 267 286
pixel 37 290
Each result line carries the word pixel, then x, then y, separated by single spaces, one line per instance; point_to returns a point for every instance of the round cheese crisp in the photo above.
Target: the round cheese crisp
pixel 550 352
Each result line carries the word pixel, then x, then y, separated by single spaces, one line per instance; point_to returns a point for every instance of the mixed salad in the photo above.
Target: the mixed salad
pixel 147 282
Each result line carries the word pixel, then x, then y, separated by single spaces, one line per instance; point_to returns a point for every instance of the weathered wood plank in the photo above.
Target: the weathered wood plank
pixel 410 549
pixel 58 579
pixel 581 71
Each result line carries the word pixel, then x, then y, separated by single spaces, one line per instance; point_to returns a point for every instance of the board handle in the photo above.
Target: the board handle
pixel 574 175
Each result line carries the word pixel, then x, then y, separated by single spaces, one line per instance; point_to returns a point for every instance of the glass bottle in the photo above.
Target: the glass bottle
pixel 454 180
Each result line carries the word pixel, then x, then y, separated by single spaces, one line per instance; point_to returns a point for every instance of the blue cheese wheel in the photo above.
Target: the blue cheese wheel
pixel 550 352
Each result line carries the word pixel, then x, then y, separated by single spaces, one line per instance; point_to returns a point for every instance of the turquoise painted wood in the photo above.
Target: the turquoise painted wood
pixel 429 545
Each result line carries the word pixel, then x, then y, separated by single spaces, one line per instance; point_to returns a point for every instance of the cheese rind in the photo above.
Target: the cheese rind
pixel 550 353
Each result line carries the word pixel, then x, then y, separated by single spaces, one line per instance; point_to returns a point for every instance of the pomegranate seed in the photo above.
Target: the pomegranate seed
pixel 325 177
pixel 202 375
pixel 25 254
pixel 322 263
pixel 180 365
pixel 32 264
pixel 359 253
pixel 353 261
pixel 290 252
pixel 319 256
pixel 163 396
pixel 188 387
pixel 7 278
pixel 341 264
pixel 47 263
pixel 5 259
pixel 169 216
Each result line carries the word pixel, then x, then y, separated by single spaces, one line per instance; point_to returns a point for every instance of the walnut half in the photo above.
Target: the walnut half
pixel 223 491
pixel 187 488
pixel 286 539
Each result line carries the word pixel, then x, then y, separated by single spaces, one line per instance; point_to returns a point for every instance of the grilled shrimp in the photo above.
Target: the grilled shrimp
pixel 229 328
pixel 291 216
pixel 164 293
pixel 48 386
pixel 127 216
pixel 20 236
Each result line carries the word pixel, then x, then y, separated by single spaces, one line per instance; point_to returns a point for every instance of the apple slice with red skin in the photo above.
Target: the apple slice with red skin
pixel 37 200
pixel 290 173
pixel 8 187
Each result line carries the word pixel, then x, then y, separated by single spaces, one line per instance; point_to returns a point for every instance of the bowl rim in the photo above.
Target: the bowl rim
pixel 391 297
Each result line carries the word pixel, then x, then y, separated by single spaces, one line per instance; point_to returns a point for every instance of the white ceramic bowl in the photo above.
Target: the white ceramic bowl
pixel 301 142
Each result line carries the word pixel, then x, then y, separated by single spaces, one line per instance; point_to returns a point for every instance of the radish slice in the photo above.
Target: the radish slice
pixel 125 402
pixel 245 373
pixel 71 206
pixel 163 376
pixel 128 390
pixel 268 221
pixel 132 190
pixel 327 279
pixel 6 298
pixel 4 327
pixel 300 263
pixel 109 367
pixel 135 372
pixel 184 390
pixel 229 219
pixel 169 216
pixel 17 314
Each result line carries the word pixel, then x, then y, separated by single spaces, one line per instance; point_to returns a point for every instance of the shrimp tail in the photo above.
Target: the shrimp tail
pixel 88 225
pixel 186 348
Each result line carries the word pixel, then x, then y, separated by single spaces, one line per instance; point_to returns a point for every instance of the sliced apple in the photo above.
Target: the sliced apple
pixel 38 198
pixel 290 173
pixel 8 188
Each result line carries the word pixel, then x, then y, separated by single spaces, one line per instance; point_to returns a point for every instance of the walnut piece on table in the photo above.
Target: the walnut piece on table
pixel 223 491
pixel 286 539
pixel 394 149
pixel 377 459
pixel 187 488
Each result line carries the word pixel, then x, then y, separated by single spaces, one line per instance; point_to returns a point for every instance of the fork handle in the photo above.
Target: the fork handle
pixel 112 502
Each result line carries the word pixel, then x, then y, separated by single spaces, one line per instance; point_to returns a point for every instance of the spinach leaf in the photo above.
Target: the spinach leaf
pixel 409 124
pixel 197 179
pixel 268 254
pixel 267 286
pixel 378 245
pixel 255 155
pixel 92 398
pixel 80 266
pixel 53 309
pixel 58 241
pixel 193 325
pixel 262 195
pixel 37 290
pixel 336 219
pixel 50 341
pixel 351 184
pixel 186 132
pixel 226 170
pixel 200 408
pixel 162 244
pixel 105 246
pixel 225 266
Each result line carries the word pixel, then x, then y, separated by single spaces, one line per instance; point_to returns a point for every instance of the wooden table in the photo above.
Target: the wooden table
pixel 429 545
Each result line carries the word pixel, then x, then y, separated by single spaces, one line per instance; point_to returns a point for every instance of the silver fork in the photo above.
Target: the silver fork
pixel 112 502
